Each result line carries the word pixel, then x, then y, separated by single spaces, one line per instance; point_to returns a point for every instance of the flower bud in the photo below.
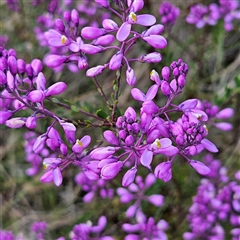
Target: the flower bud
pixel 12 64
pixel 154 76
pixel 130 77
pixel 21 66
pixel 59 25
pixel 116 61
pixel 129 177
pixel 29 71
pixel 110 137
pixel 136 6
pixel 91 49
pixel 67 16
pixel 36 96
pixel 165 88
pixel 37 66
pixel 56 89
pixel 163 171
pixel 111 170
pixel 15 122
pixel 69 130
pixel 225 113
pixel 92 72
pixel 104 40
pixel 200 167
pixel 75 16
pixel 166 73
pixel 82 63
pixel 129 140
pixel 156 41
pixel 102 152
pixel 149 107
pixel 153 57
pixel 41 82
pixel 31 122
pixel 54 61
pixel 109 24
pixel 91 33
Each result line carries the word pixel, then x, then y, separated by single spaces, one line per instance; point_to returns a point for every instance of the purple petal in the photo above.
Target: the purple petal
pixel 225 113
pixel 209 145
pixel 152 91
pixel 146 158
pixel 188 104
pixel 156 41
pixel 138 94
pixel 156 199
pixel 146 19
pixel 123 32
pixel 57 176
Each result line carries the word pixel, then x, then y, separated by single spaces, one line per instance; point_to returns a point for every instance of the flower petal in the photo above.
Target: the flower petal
pixel 123 31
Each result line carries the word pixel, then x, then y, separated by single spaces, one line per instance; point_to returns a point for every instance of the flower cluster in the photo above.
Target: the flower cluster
pixel 66 36
pixel 217 200
pixel 136 191
pixel 200 14
pixel 169 13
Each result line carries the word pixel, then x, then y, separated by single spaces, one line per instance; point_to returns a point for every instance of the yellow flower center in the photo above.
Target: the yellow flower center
pixel 63 39
pixel 79 143
pixel 133 16
pixel 157 143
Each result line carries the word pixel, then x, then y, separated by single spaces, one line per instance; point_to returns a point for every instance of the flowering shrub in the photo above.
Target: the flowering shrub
pixel 121 151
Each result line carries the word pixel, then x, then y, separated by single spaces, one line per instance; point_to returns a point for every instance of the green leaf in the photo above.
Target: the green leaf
pixel 74 109
pixel 100 113
pixel 55 100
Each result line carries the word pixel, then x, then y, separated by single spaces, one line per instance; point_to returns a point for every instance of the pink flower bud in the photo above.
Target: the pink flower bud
pixel 54 61
pixel 36 96
pixel 59 25
pixel 21 66
pixel 156 41
pixel 102 152
pixel 129 177
pixel 153 57
pixel 109 24
pixel 224 126
pixel 91 49
pixel 165 88
pixel 200 167
pixel 56 89
pixel 110 137
pixel 12 64
pixel 225 113
pixel 69 130
pixel 111 170
pixel 67 16
pixel 154 76
pixel 166 73
pixel 92 32
pixel 31 122
pixel 136 6
pixel 82 63
pixel 116 61
pixel 130 77
pixel 15 122
pixel 39 143
pixel 181 81
pixel 209 145
pixel 75 16
pixel 92 72
pixel 103 3
pixel 63 149
pixel 41 82
pixel 4 116
pixel 104 40
pixel 188 104
pixel 37 66
pixel 163 171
